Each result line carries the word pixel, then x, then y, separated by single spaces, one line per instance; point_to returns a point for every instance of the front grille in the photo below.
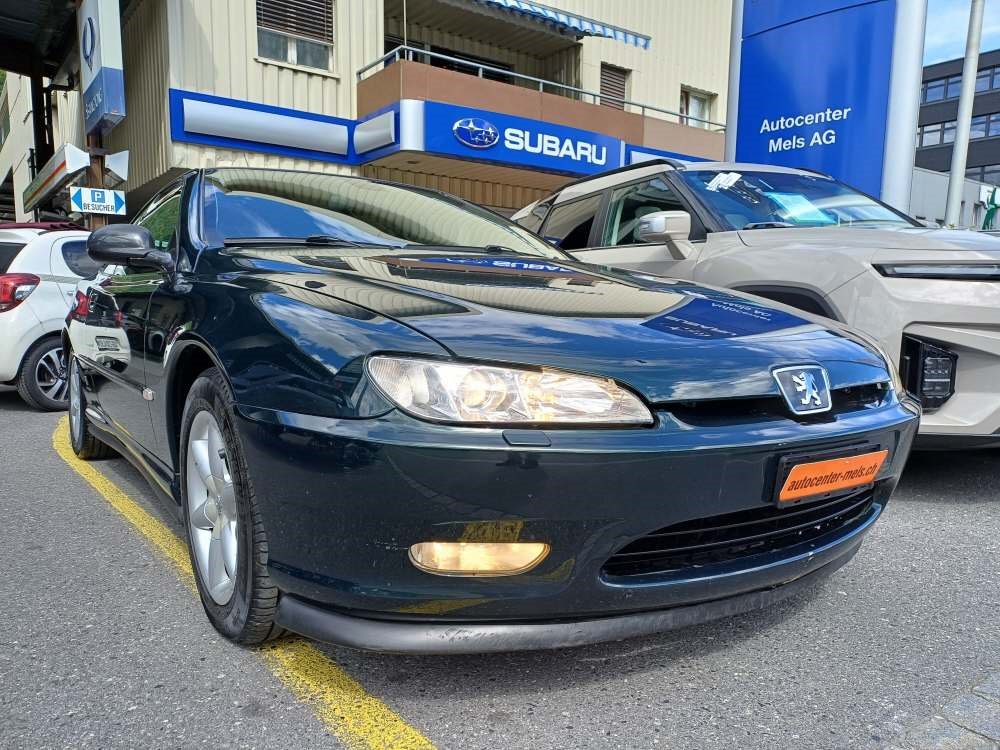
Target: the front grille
pixel 732 536
pixel 748 410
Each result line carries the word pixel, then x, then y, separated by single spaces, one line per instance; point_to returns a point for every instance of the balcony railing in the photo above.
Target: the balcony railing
pixel 409 52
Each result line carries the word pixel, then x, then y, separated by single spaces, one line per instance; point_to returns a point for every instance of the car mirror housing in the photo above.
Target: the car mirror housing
pixel 127 245
pixel 664 226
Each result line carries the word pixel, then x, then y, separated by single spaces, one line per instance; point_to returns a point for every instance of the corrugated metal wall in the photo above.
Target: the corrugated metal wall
pixel 145 131
pixel 213 48
pixel 690 47
pixel 492 194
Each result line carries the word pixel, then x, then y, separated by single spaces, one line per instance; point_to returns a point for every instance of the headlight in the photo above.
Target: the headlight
pixel 890 365
pixel 456 392
pixel 942 271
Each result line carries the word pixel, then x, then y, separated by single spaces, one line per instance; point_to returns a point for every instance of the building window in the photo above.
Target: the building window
pixel 930 135
pixel 982 126
pixel 951 87
pixel 614 86
pixel 298 32
pixel 696 108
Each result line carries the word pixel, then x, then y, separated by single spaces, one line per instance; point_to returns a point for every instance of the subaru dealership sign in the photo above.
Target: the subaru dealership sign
pixel 101 79
pixel 507 139
pixel 828 85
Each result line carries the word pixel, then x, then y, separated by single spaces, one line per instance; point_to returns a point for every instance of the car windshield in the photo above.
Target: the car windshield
pixel 759 200
pixel 266 205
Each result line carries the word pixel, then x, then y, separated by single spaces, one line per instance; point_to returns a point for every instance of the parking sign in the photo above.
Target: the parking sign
pixel 97 201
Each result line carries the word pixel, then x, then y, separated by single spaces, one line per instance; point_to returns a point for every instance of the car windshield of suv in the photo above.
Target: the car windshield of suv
pixel 256 204
pixel 763 200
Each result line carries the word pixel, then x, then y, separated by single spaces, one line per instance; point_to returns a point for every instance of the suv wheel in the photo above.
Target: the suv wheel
pixel 226 537
pixel 42 380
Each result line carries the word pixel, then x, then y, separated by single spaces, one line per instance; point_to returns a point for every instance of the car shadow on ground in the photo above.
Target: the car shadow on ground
pixel 941 477
pixel 10 401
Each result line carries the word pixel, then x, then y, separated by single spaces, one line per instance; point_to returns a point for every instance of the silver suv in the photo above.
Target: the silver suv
pixel 929 297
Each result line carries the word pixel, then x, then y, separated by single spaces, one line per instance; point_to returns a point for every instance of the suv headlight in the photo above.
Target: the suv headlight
pixel 442 391
pixel 941 271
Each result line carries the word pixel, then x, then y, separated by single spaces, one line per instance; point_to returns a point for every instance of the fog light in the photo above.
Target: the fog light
pixel 477 558
pixel 928 371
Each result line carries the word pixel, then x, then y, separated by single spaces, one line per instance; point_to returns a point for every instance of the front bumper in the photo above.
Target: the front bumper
pixel 436 638
pixel 343 500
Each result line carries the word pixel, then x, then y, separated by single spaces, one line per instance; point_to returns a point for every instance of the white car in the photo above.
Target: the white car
pixel 40 266
pixel 929 297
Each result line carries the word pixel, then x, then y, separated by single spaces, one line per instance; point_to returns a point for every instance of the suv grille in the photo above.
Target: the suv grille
pixel 732 536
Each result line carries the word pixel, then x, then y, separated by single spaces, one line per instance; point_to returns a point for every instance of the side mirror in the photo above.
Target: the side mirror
pixel 127 245
pixel 663 226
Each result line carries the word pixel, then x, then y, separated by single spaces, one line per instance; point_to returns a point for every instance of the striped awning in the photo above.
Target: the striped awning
pixel 567 23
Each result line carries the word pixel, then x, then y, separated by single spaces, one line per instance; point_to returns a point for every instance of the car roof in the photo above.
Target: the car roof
pixel 599 182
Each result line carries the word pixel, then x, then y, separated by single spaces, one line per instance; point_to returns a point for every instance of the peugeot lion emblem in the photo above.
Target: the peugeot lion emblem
pixel 806 389
pixel 475 132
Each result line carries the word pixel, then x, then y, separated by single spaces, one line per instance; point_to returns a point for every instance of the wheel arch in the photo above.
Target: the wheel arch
pixel 194 356
pixel 800 297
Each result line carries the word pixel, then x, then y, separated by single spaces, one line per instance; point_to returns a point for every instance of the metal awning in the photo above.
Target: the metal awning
pixel 568 23
pixel 36 36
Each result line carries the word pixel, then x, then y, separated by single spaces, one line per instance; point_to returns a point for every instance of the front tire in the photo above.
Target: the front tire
pixel 226 537
pixel 85 445
pixel 41 381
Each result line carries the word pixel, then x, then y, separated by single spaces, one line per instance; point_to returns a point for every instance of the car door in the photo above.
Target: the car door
pixel 613 240
pixel 68 263
pixel 118 307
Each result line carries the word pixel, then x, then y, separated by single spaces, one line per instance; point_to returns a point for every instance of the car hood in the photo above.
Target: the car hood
pixel 910 242
pixel 670 340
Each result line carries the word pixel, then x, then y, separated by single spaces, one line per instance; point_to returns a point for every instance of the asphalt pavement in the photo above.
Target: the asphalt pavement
pixel 105 645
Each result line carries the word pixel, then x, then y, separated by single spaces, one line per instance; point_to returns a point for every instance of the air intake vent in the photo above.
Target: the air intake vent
pixel 732 536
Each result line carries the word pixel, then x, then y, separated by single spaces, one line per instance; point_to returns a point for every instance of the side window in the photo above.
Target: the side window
pixel 75 256
pixel 8 251
pixel 568 225
pixel 161 220
pixel 533 220
pixel 630 203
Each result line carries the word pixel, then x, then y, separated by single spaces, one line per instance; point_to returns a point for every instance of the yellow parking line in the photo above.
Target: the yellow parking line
pixel 357 718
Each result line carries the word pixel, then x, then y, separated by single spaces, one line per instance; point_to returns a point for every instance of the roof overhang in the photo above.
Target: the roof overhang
pixel 565 23
pixel 36 36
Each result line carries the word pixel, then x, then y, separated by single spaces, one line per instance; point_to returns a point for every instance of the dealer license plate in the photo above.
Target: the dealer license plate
pixel 832 476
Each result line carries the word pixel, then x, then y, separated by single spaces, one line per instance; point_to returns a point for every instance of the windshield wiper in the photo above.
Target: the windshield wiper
pixel 768 225
pixel 326 240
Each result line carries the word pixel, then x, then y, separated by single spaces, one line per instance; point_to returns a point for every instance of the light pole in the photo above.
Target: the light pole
pixel 960 151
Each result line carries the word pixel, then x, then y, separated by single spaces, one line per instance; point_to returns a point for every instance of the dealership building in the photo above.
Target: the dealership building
pixel 497 101
pixel 942 83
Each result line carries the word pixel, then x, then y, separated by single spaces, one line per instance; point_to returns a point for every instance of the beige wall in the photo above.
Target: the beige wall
pixel 67 119
pixel 213 49
pixel 210 46
pixel 690 48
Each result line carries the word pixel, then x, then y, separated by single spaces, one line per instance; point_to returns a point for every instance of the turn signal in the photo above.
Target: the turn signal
pixel 477 558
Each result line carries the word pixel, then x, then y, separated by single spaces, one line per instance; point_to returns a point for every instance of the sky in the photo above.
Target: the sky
pixel 948 26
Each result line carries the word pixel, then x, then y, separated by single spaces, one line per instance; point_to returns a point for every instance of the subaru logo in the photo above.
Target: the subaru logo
pixel 806 389
pixel 475 132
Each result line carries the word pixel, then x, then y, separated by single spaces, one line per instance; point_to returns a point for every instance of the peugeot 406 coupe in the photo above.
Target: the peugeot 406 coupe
pixel 395 421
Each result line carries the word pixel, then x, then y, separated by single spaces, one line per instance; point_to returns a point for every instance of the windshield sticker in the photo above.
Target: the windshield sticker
pixel 723 181
pixel 721 319
pixel 799 209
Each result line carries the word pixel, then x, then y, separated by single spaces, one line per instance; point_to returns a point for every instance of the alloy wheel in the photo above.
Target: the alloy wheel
pixel 211 504
pixel 75 404
pixel 50 375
